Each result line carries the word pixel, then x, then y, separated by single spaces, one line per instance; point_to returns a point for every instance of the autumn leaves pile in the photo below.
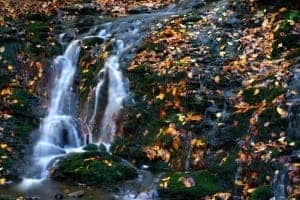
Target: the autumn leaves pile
pixel 257 110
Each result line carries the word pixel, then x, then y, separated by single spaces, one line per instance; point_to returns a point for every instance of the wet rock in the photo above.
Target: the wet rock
pixel 59 196
pixel 32 198
pixel 295 157
pixel 82 9
pixel 94 168
pixel 262 192
pixel 195 185
pixel 76 194
pixel 92 41
pixel 139 10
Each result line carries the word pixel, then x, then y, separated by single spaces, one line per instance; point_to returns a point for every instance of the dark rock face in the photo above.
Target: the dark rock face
pixel 139 10
pixel 82 9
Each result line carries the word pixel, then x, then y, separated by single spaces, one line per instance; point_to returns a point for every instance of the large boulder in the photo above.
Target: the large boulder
pixel 95 167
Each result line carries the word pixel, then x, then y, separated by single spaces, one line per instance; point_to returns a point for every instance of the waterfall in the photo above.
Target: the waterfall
pixel 278 185
pixel 116 94
pixel 59 130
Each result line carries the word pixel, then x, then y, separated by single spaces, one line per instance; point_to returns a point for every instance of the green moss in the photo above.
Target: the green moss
pixel 5 197
pixel 293 54
pixel 267 94
pixel 276 124
pixel 89 78
pixel 229 134
pixel 263 168
pixel 4 80
pixel 37 26
pixel 292 15
pixel 94 168
pixel 205 184
pixel 91 147
pixel 191 18
pixel 261 193
pixel 92 41
pixel 224 169
pixel 158 47
pixel 24 99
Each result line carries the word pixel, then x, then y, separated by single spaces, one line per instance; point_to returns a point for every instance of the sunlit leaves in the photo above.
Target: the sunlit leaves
pixel 282 112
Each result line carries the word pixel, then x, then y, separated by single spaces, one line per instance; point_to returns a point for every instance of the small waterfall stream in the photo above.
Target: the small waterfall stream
pixel 59 129
pixel 62 130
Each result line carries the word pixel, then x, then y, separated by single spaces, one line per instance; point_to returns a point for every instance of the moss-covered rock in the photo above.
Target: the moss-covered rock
pixel 267 94
pixel 5 197
pixel 201 184
pixel 94 168
pixel 261 193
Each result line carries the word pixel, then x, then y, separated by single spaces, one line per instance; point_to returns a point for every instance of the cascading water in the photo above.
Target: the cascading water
pixel 279 186
pixel 59 130
pixel 116 94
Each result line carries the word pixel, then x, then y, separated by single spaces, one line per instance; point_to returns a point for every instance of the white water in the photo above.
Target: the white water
pixel 117 93
pixel 278 186
pixel 59 129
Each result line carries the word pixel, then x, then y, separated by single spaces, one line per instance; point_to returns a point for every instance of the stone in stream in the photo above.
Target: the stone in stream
pixel 76 194
pixel 139 10
pixel 95 167
pixel 81 9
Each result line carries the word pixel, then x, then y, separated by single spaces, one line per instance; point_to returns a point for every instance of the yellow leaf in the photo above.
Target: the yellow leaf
pixel 256 92
pixel 283 9
pixel 2 49
pixel 192 117
pixel 2 181
pixel 251 190
pixel 10 67
pixel 132 67
pixel 222 195
pixel 176 143
pixel 282 112
pixel 161 96
pixel 217 79
pixel 238 183
pixel 3 146
pixel 292 22
pixel 222 53
pixel 197 142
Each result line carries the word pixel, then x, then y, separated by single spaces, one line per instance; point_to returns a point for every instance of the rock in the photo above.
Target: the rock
pixel 81 9
pixel 92 41
pixel 195 185
pixel 76 194
pixel 59 196
pixel 139 10
pixel 94 168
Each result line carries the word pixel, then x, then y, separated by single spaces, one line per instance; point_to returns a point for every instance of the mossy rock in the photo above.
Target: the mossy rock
pixel 92 41
pixel 261 193
pixel 205 183
pixel 293 54
pixel 94 168
pixel 91 147
pixel 267 94
pixel 5 197
pixel 224 168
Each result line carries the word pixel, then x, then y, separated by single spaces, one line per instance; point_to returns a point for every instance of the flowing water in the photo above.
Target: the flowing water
pixel 59 130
